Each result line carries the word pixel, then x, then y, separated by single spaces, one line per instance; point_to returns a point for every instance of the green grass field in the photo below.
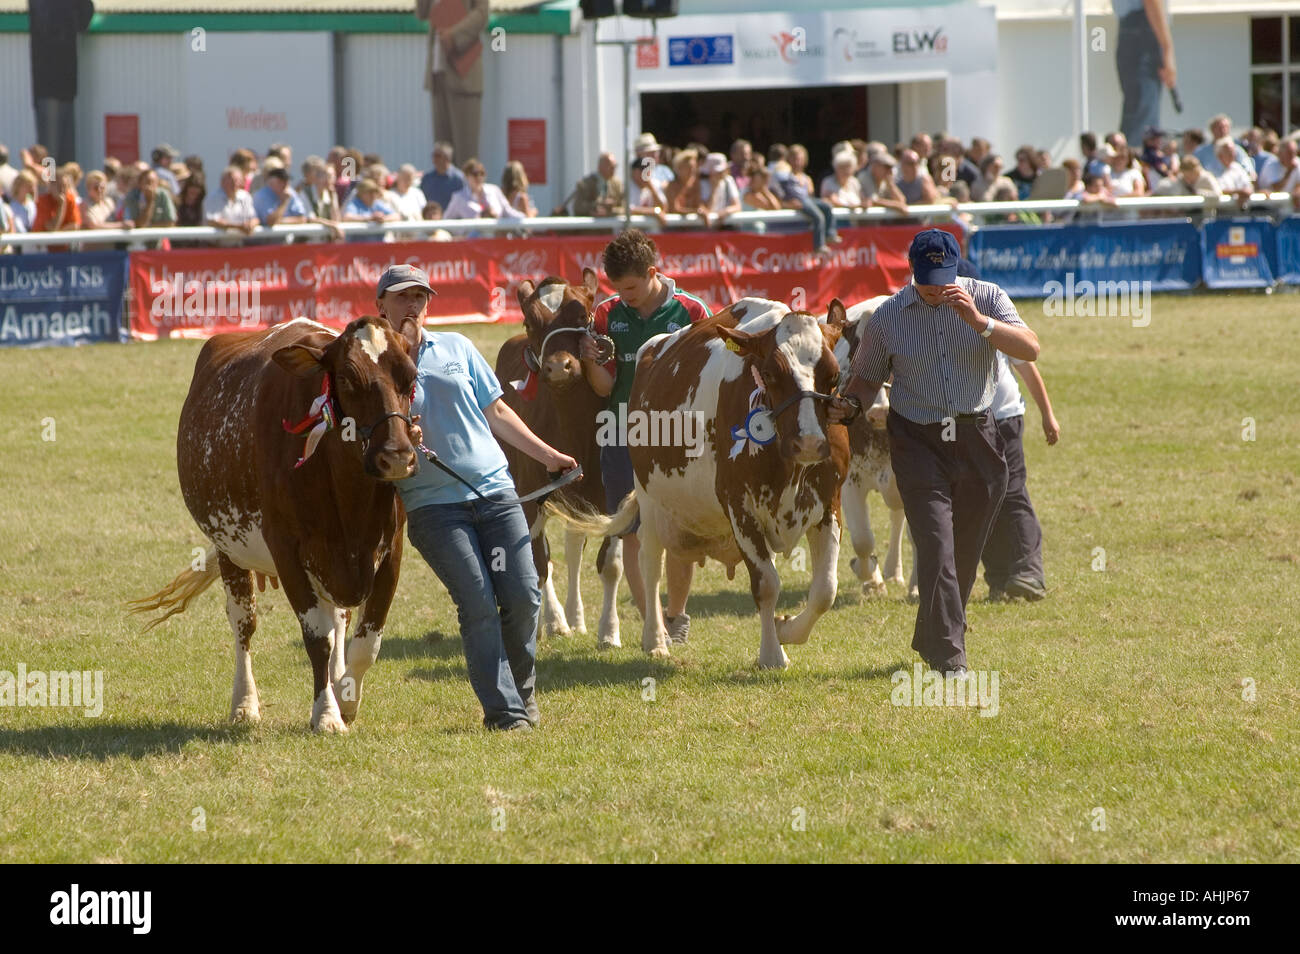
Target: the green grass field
pixel 1126 690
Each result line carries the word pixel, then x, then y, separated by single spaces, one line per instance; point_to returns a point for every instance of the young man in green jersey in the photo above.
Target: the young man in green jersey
pixel 648 303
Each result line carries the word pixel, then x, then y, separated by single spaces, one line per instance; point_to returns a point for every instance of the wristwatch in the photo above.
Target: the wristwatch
pixel 988 329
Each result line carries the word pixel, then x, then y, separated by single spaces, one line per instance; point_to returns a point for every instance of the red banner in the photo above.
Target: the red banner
pixel 196 293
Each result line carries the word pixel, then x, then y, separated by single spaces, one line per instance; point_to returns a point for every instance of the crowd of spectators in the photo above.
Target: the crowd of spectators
pixel 349 186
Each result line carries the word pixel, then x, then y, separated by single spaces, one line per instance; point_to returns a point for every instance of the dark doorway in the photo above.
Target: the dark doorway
pixel 818 117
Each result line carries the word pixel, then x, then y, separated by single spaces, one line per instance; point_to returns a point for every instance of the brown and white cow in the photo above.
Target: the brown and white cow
pixel 870 468
pixel 552 396
pixel 740 500
pixel 330 529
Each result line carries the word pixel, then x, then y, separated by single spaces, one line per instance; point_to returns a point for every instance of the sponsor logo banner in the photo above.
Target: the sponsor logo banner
pixel 61 298
pixel 1239 253
pixel 1025 260
pixel 197 293
pixel 701 50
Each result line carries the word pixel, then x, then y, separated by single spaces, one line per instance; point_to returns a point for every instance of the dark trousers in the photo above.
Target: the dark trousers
pixel 951 491
pixel 1014 549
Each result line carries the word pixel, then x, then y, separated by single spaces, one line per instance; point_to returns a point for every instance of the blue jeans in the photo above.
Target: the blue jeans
pixel 481 552
pixel 823 221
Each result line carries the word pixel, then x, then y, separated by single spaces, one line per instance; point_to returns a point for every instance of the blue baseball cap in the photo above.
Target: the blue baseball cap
pixel 401 277
pixel 934 256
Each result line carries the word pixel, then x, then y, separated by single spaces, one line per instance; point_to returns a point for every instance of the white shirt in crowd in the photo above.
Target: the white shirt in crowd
pixel 236 210
pixel 1283 180
pixel 410 204
pixel 1235 179
pixel 726 195
pixel 1124 181
pixel 463 205
pixel 847 195
pixel 651 197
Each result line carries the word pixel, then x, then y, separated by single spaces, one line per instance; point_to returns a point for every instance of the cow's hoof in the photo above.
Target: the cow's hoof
pixel 248 713
pixel 330 724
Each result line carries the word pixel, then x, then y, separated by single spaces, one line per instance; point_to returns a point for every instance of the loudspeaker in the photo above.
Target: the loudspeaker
pixel 650 8
pixel 597 9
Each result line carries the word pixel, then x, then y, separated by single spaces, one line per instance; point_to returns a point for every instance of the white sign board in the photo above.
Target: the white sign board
pixel 820 48
pixel 255 89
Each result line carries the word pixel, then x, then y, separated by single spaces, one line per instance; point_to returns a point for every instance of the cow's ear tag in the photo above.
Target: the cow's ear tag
pixel 732 346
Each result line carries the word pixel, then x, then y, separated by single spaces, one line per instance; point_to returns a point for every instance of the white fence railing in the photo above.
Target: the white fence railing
pixel 140 238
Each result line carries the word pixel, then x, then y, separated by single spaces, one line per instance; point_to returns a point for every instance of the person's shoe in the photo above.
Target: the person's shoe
pixel 1030 590
pixel 679 628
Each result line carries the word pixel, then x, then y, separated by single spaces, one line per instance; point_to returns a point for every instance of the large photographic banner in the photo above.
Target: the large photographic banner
pixel 1035 261
pixel 1239 253
pixel 61 298
pixel 200 292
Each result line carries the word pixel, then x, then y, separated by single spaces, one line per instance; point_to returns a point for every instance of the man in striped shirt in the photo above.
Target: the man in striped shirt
pixel 939 337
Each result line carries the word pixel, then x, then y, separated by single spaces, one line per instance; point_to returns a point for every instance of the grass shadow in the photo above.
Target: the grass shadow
pixel 878 672
pixel 100 741
pixel 434 644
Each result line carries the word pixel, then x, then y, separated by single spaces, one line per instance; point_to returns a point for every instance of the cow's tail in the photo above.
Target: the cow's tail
pixel 177 595
pixel 598 525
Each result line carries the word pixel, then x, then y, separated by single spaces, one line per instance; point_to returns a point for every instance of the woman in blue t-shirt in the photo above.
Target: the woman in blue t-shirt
pixel 478 548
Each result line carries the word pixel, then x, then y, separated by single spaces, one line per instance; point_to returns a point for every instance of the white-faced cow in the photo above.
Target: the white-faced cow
pixel 870 469
pixel 769 474
pixel 542 381
pixel 317 510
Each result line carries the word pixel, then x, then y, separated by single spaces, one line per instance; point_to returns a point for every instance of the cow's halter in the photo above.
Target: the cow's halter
pixel 760 425
pixel 606 344
pixel 325 415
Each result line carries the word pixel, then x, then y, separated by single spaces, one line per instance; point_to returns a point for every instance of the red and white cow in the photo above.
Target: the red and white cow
pixel 870 467
pixel 754 491
pixel 319 511
pixel 542 381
